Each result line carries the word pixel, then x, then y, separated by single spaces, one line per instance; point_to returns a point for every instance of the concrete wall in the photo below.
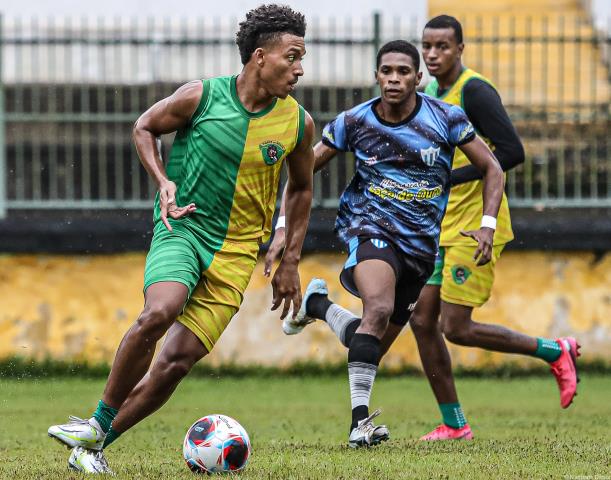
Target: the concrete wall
pixel 78 307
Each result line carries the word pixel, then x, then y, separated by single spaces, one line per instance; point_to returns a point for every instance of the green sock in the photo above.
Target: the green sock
pixel 547 349
pixel 111 436
pixel 452 414
pixel 105 415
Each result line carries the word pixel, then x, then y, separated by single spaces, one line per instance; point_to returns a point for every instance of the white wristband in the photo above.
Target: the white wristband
pixel 489 222
pixel 281 222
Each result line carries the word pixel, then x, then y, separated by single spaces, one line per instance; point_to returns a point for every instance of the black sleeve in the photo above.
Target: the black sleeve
pixel 485 110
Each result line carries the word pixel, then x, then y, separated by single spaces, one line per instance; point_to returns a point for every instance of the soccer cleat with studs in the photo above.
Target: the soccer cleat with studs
pixel 88 461
pixel 366 434
pixel 565 370
pixel 443 432
pixel 293 326
pixel 79 432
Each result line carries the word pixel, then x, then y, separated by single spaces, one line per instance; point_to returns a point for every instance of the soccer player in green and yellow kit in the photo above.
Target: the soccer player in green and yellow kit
pixel 213 209
pixel 458 285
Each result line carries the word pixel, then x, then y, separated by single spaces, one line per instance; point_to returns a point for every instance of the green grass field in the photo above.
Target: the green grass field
pixel 298 427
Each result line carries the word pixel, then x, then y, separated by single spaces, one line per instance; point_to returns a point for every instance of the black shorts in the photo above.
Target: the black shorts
pixel 412 273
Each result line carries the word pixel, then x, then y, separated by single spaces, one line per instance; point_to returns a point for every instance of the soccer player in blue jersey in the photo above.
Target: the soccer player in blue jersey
pixel 390 216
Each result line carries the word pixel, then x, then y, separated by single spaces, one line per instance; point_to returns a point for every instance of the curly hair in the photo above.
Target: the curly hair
pixel 267 23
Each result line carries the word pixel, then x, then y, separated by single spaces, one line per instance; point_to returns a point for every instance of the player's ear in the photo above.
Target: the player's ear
pixel 461 47
pixel 418 78
pixel 259 57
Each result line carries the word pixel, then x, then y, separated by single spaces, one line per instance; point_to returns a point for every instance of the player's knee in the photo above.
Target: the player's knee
pixel 457 333
pixel 379 311
pixel 376 316
pixel 154 321
pixel 421 324
pixel 177 369
pixel 171 370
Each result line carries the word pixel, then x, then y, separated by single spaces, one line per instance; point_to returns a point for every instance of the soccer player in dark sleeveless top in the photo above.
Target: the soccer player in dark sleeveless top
pixel 390 216
pixel 214 207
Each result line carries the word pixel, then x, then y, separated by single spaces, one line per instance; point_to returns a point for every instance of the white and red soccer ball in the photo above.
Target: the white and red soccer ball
pixel 216 444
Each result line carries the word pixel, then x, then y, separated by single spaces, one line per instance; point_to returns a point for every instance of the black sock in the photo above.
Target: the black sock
pixel 363 360
pixel 350 331
pixel 317 306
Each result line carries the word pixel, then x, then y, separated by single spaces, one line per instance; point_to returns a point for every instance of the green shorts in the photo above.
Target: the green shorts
pixel 215 276
pixel 176 256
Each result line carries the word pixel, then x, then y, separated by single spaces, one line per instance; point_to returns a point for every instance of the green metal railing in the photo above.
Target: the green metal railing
pixel 70 92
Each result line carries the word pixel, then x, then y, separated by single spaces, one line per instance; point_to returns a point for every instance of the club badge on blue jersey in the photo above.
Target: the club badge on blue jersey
pixel 429 155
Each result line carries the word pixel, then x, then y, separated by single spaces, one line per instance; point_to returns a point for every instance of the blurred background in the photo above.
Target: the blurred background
pixel 75 204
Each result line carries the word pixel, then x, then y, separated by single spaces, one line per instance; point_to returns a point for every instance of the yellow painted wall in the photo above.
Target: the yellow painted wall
pixel 78 307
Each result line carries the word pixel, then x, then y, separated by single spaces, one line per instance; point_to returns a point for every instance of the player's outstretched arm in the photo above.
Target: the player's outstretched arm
pixel 483 159
pixel 285 283
pixel 322 155
pixel 166 116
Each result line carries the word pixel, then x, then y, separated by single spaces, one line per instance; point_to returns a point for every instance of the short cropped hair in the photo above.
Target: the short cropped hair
pixel 267 23
pixel 446 21
pixel 399 46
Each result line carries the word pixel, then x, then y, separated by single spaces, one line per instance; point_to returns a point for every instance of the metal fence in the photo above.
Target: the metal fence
pixel 70 91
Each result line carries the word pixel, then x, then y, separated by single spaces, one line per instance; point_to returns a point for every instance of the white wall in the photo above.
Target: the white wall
pixel 159 20
pixel 225 8
pixel 601 13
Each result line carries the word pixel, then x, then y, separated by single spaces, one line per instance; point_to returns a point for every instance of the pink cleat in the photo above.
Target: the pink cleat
pixel 565 370
pixel 443 432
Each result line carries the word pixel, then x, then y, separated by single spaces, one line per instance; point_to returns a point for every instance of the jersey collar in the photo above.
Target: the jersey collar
pixel 402 122
pixel 242 108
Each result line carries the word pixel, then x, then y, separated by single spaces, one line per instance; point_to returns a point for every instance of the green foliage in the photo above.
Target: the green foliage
pixel 299 426
pixel 21 367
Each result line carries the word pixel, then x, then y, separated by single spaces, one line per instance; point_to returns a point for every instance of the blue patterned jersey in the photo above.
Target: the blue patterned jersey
pixel 402 180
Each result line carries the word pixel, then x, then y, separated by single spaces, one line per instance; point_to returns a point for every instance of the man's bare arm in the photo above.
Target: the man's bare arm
pixel 285 283
pixel 166 116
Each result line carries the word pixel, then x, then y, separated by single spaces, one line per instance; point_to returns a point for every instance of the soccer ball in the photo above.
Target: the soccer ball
pixel 216 443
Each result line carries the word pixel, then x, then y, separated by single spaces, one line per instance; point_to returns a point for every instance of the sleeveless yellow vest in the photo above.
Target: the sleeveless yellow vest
pixel 465 204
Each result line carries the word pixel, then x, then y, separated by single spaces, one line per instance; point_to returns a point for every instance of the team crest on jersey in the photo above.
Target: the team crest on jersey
pixel 271 151
pixel 460 274
pixel 429 155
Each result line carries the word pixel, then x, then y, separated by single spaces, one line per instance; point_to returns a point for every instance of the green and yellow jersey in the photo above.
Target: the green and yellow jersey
pixel 228 162
pixel 465 204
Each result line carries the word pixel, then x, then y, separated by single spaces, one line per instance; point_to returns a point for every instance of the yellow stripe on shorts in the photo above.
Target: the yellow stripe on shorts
pixel 220 291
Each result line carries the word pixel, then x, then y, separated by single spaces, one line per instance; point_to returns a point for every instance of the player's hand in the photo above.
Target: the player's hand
pixel 167 204
pixel 286 288
pixel 483 237
pixel 275 249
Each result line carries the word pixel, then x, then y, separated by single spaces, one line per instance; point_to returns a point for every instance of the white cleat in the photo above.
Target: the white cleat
pixel 367 434
pixel 79 432
pixel 293 326
pixel 88 461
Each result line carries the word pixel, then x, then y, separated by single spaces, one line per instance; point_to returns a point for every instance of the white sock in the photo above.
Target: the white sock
pixel 361 376
pixel 338 318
